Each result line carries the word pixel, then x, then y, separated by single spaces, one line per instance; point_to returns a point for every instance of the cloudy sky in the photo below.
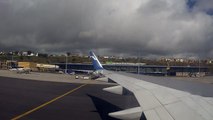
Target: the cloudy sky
pixel 178 28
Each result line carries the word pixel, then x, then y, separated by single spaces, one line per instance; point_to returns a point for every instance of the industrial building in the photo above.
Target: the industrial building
pixel 32 65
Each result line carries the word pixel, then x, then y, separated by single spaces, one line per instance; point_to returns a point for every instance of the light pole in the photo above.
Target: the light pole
pixel 66 66
pixel 139 60
pixel 199 66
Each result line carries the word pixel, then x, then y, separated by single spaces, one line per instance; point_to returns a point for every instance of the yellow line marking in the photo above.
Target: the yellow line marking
pixel 47 103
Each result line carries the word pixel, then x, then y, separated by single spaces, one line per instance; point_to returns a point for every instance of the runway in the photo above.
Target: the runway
pixel 83 101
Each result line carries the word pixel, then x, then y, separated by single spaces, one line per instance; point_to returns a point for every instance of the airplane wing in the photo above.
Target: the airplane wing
pixel 156 101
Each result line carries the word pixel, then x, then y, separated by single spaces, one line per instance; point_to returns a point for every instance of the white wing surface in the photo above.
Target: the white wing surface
pixel 158 102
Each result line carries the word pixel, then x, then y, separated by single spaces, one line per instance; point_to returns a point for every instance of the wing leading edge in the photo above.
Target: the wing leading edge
pixel 157 102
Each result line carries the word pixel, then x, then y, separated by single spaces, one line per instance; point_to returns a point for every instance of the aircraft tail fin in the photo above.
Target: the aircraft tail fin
pixel 96 64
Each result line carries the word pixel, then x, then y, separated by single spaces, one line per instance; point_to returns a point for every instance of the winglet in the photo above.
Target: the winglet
pixel 96 64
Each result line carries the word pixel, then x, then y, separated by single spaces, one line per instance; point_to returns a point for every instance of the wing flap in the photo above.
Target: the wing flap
pixel 146 100
pixel 159 113
pixel 194 105
pixel 163 113
pixel 203 104
pixel 209 100
pixel 164 96
pixel 180 111
pixel 151 115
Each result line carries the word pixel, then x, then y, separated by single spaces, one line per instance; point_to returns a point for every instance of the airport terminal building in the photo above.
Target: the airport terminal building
pixel 143 69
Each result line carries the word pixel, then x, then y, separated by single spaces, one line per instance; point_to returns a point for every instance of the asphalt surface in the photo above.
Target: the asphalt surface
pixel 21 95
pixel 89 102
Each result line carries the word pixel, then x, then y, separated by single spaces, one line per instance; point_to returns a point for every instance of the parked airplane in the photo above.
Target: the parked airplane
pixel 21 70
pixel 156 102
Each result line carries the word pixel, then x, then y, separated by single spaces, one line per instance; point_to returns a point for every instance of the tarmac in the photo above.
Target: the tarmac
pixel 28 98
pixel 51 77
pixel 42 96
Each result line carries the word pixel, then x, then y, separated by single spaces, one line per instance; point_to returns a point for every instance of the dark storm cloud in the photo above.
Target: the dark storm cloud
pixel 148 27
